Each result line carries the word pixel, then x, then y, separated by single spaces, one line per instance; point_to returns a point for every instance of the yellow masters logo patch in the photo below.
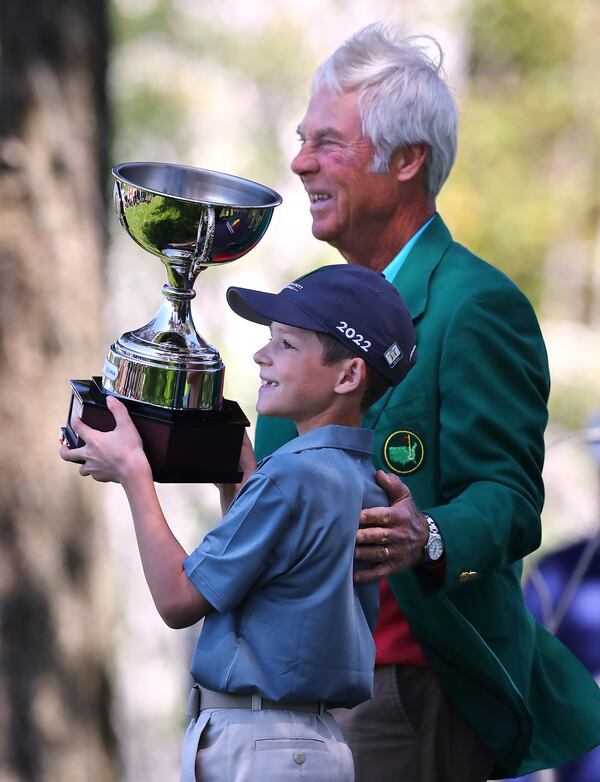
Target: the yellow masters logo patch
pixel 403 452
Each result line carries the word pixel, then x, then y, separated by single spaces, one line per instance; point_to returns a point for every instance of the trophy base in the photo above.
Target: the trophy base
pixel 182 446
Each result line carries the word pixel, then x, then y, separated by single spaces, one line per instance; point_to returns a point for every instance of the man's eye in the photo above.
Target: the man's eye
pixel 287 345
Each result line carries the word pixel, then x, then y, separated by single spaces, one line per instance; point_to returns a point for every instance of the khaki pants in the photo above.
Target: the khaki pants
pixel 236 745
pixel 410 732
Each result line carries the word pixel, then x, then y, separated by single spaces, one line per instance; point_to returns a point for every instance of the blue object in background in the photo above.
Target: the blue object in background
pixel 563 594
pixel 579 628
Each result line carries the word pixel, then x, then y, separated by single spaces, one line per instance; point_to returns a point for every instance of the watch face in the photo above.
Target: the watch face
pixel 435 548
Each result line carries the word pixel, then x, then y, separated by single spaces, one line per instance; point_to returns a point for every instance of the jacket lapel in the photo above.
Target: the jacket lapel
pixel 412 281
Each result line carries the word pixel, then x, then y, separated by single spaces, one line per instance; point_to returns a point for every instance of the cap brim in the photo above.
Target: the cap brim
pixel 264 308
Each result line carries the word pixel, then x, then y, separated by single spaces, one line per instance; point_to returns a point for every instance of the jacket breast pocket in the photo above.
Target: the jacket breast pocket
pixel 408 411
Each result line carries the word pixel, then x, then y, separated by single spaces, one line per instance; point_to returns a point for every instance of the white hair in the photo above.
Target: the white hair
pixel 403 97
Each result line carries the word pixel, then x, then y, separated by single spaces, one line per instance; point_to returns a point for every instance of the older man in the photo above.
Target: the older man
pixel 466 684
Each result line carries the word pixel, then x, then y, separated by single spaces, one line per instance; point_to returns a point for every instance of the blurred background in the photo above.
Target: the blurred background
pixel 92 685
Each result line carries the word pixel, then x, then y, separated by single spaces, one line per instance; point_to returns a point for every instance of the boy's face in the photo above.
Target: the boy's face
pixel 295 382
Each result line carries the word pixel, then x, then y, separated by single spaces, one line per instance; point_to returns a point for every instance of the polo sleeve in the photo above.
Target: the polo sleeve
pixel 240 553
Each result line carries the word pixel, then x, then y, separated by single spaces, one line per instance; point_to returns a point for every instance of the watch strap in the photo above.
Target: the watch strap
pixel 434 541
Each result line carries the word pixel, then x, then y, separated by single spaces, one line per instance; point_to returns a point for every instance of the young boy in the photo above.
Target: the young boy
pixel 287 634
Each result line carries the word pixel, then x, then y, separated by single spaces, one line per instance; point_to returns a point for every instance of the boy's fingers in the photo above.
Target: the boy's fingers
pixel 83 430
pixel 72 454
pixel 118 409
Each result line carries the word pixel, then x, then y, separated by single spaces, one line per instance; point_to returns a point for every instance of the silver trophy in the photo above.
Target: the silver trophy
pixel 167 374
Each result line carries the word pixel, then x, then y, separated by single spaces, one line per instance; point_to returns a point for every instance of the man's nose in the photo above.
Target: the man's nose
pixel 305 162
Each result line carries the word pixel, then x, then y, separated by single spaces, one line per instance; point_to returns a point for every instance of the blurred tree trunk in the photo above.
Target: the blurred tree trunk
pixel 54 685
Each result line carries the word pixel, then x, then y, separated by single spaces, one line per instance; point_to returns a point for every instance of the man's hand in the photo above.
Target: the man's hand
pixel 108 456
pixel 392 538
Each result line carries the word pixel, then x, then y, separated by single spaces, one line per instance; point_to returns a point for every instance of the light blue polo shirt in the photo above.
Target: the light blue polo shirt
pixel 289 624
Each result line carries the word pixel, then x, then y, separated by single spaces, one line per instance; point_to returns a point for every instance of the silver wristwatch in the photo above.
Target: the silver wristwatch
pixel 434 548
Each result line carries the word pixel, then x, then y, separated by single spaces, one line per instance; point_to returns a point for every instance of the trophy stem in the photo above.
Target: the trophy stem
pixel 166 362
pixel 175 316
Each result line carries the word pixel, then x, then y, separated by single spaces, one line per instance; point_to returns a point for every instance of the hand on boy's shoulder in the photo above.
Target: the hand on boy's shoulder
pixel 393 538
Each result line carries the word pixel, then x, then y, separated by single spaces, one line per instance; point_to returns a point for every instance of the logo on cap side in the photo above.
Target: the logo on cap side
pixel 393 354
pixel 403 452
pixel 294 286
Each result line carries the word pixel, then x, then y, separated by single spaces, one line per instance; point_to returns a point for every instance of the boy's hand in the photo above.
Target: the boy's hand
pixel 247 466
pixel 108 456
pixel 392 538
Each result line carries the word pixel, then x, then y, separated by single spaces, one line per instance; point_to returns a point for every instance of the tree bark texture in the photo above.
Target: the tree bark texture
pixel 54 680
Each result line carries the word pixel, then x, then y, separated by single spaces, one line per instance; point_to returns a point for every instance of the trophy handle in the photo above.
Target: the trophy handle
pixel 206 226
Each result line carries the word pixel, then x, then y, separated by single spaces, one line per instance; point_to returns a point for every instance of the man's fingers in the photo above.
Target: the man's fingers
pixel 392 485
pixel 375 517
pixel 372 553
pixel 379 536
pixel 395 490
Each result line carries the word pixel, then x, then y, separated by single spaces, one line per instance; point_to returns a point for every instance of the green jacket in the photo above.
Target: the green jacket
pixel 464 431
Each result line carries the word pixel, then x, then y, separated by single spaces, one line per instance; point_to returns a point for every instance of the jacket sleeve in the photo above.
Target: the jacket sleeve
pixel 493 391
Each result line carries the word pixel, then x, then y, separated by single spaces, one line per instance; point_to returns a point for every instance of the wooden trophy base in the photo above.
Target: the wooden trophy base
pixel 182 446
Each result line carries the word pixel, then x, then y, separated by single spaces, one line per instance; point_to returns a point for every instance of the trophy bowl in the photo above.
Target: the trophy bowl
pixel 168 375
pixel 166 209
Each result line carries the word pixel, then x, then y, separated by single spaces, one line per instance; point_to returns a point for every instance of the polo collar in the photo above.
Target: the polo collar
pixel 412 279
pixel 347 438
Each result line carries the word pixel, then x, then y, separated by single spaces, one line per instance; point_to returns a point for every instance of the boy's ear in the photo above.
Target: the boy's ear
pixel 352 375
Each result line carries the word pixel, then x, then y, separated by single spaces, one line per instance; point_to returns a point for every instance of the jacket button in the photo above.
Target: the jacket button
pixel 299 758
pixel 467 575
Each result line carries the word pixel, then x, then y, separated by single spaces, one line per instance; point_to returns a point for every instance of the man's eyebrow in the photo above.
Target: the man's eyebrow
pixel 320 133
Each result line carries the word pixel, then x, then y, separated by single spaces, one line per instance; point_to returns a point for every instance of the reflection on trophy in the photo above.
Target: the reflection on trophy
pixel 169 377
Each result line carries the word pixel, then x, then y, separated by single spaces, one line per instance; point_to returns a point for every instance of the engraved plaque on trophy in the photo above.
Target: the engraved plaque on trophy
pixel 168 376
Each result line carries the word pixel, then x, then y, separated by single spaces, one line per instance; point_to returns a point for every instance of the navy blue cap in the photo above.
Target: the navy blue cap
pixel 357 306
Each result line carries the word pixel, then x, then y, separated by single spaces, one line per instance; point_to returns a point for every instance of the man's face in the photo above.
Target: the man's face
pixel 295 382
pixel 347 201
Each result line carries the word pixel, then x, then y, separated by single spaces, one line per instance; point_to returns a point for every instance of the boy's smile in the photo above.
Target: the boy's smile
pixel 295 382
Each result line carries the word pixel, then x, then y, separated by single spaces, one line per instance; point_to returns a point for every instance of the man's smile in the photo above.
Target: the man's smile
pixel 316 197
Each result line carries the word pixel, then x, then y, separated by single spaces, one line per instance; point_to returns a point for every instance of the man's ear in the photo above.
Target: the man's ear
pixel 352 375
pixel 409 160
